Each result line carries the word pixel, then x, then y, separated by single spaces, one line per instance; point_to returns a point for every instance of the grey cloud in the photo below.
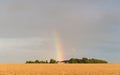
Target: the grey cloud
pixel 82 25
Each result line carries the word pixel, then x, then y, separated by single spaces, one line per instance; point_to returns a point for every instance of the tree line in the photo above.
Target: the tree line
pixel 42 61
pixel 72 60
pixel 86 60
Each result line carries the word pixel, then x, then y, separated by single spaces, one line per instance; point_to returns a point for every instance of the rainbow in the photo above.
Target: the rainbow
pixel 58 47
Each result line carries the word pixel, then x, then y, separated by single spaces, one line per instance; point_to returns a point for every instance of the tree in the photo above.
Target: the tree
pixel 37 61
pixel 52 61
pixel 74 60
pixel 46 61
pixel 85 60
pixel 29 62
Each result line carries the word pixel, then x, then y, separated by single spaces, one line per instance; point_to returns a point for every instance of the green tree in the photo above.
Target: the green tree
pixel 46 61
pixel 29 62
pixel 85 60
pixel 74 60
pixel 52 61
pixel 37 61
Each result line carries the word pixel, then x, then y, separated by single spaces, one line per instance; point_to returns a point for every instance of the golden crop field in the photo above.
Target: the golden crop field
pixel 59 69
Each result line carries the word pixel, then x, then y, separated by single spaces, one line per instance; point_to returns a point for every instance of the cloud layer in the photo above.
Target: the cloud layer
pixel 86 29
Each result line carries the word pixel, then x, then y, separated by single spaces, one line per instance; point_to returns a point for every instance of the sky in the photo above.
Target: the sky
pixel 86 28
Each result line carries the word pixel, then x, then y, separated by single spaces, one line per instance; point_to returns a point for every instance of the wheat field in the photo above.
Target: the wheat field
pixel 59 69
